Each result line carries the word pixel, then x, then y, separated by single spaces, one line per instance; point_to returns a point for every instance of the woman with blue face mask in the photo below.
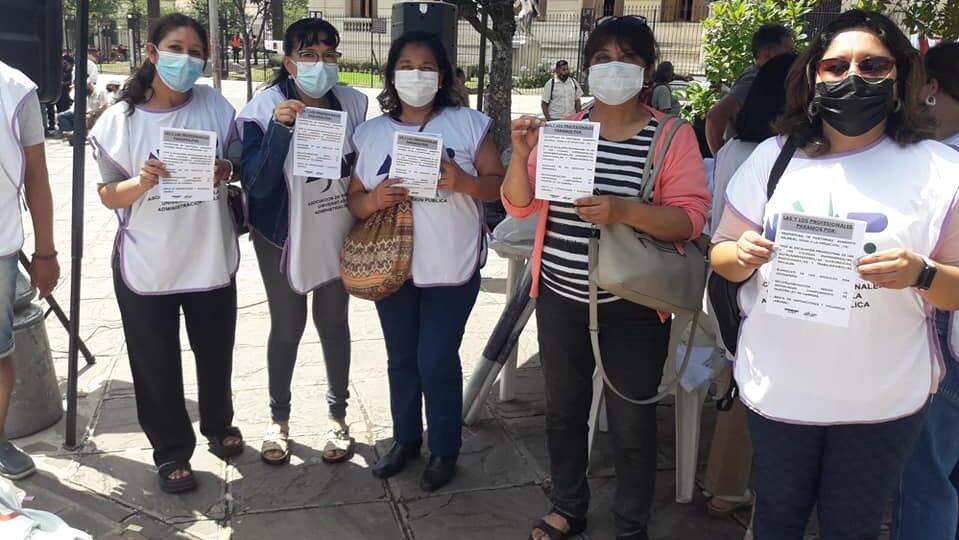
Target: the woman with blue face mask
pixel 298 247
pixel 172 256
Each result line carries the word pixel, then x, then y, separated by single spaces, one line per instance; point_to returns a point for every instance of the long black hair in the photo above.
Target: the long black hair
pixel 301 34
pixel 765 101
pixel 389 100
pixel 139 88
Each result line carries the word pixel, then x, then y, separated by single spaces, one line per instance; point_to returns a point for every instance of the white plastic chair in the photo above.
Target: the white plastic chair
pixel 688 408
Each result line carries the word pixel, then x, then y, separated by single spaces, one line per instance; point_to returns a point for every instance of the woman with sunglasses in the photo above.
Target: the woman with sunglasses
pixel 298 247
pixel 927 504
pixel 172 256
pixel 621 55
pixel 835 412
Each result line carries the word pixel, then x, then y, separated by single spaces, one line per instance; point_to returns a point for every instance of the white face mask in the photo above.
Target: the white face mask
pixel 615 83
pixel 416 88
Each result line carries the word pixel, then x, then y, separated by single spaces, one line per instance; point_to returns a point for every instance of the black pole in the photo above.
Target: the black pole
pixel 76 249
pixel 481 82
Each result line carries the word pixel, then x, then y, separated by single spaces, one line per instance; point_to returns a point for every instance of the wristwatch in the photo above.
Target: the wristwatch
pixel 927 276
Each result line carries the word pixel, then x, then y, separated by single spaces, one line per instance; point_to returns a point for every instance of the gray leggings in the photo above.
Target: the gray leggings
pixel 287 322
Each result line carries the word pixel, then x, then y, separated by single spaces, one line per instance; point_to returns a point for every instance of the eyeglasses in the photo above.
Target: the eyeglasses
pixel 311 57
pixel 875 69
pixel 635 19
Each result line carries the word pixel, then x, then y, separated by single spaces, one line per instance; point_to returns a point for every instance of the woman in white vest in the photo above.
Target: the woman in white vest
pixel 835 411
pixel 423 323
pixel 172 255
pixel 23 175
pixel 927 503
pixel 298 246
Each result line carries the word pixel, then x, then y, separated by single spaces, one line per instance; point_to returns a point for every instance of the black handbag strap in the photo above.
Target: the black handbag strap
pixel 785 155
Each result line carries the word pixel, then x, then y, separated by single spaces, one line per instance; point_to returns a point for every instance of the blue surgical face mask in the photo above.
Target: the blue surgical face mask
pixel 178 71
pixel 315 79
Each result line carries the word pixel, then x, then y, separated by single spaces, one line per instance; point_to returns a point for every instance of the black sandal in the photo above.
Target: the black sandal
pixel 174 486
pixel 576 527
pixel 222 451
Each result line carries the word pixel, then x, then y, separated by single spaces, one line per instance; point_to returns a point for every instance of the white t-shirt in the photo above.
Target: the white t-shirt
pixel 16 92
pixel 447 231
pixel 561 97
pixel 885 364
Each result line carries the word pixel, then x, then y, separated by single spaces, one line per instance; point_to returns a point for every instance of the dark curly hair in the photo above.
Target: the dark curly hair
pixel 139 88
pixel 389 100
pixel 910 124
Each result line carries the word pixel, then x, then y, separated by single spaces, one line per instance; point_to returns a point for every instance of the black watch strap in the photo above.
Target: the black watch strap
pixel 926 277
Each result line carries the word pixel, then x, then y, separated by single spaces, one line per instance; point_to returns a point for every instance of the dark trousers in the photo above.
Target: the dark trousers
pixel 151 325
pixel 848 472
pixel 423 329
pixel 634 343
pixel 331 317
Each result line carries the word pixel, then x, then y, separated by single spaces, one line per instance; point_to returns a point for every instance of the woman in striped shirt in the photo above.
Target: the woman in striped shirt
pixel 621 56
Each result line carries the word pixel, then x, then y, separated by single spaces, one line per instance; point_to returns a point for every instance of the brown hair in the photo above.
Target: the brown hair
pixel 910 124
pixel 630 33
pixel 942 64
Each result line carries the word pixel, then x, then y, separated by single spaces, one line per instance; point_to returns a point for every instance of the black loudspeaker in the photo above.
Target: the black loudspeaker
pixel 31 40
pixel 437 18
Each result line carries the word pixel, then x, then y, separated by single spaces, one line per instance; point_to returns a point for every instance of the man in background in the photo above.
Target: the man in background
pixel 562 95
pixel 768 42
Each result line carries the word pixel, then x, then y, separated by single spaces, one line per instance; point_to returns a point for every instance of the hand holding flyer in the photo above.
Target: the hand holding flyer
pixel 318 140
pixel 416 161
pixel 566 160
pixel 813 271
pixel 189 156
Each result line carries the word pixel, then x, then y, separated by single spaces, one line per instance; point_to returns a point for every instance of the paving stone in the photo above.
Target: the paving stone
pixel 117 427
pixel 501 513
pixel 370 520
pixel 488 459
pixel 306 481
pixel 130 477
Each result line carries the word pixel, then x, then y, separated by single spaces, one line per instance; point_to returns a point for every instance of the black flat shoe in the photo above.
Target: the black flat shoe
pixel 438 473
pixel 395 460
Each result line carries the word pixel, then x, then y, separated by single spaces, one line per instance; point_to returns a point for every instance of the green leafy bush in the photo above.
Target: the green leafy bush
pixel 697 98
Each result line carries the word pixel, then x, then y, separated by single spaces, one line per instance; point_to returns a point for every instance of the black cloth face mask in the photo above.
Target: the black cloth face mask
pixel 854 106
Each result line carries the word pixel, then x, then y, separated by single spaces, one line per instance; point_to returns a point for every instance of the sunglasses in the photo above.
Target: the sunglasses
pixel 876 68
pixel 635 19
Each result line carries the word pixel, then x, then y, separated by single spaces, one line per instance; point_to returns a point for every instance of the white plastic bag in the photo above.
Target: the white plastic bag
pixel 18 523
pixel 516 232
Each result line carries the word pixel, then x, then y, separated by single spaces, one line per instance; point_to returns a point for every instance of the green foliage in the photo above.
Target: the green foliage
pixel 533 79
pixel 728 32
pixel 697 98
pixel 930 19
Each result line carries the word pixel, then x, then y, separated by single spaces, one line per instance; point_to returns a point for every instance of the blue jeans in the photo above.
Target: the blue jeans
pixel 423 328
pixel 8 288
pixel 927 504
pixel 65 120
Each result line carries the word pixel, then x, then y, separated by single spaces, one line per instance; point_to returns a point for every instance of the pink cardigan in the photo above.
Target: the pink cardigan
pixel 681 183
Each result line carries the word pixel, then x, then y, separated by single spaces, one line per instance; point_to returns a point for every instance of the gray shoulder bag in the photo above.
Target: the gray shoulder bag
pixel 636 267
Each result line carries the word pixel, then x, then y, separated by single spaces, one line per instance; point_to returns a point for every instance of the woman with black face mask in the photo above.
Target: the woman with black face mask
pixel 835 410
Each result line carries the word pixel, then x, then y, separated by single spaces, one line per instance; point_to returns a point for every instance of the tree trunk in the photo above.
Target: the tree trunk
pixel 276 13
pixel 153 13
pixel 499 97
pixel 241 9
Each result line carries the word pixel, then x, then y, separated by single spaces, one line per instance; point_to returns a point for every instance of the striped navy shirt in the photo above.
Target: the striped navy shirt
pixel 619 171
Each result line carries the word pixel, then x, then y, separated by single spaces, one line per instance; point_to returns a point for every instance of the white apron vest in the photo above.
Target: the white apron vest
pixel 166 248
pixel 447 231
pixel 319 218
pixel 886 363
pixel 15 88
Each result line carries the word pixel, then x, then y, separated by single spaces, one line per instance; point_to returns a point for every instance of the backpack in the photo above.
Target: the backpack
pixel 724 294
pixel 552 85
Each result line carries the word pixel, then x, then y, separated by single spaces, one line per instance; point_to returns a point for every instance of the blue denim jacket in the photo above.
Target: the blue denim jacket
pixel 268 200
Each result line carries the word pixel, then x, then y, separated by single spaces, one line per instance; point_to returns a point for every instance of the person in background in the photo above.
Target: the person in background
pixel 65 102
pixel 113 93
pixel 424 322
pixel 236 43
pixel 462 92
pixel 730 454
pixel 23 173
pixel 927 502
pixel 297 248
pixel 663 99
pixel 562 95
pixel 172 257
pixel 621 56
pixel 835 410
pixel 769 41
pixel 97 102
